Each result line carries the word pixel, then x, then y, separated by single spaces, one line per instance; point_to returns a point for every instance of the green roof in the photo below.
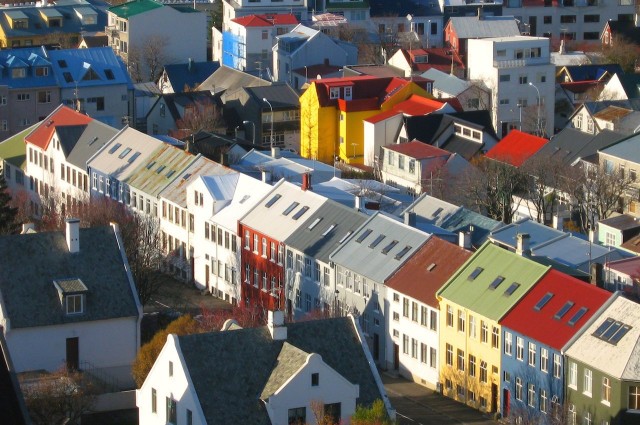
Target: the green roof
pixel 477 294
pixel 14 151
pixel 126 10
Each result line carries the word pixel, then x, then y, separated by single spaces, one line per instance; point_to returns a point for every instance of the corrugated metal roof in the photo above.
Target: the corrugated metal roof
pixel 323 230
pixel 538 233
pixel 627 149
pixel 572 144
pixel 493 262
pixel 487 27
pixel 111 164
pixel 370 261
pixel 159 170
pixel 176 191
pixel 577 253
pixel 431 210
pixel 248 192
pixel 272 221
pixel 598 353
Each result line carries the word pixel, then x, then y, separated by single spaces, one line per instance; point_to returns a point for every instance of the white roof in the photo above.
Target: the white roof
pixel 246 194
pixel 598 352
pixel 281 218
pixel 116 164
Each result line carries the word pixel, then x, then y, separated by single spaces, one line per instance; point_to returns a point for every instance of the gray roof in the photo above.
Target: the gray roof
pixel 447 83
pixel 312 242
pixel 27 287
pixel 372 262
pixel 626 149
pixel 290 360
pixel 538 233
pixel 571 144
pixel 487 27
pixel 231 392
pixel 225 78
pixel 280 95
pixel 95 135
pixel 621 222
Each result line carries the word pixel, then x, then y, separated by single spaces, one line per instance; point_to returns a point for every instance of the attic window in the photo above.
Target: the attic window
pixel 115 148
pixel 496 282
pixel 565 308
pixel 160 169
pixel 389 247
pixel 109 74
pixel 475 273
pixel 273 200
pixel 290 208
pixel 363 236
pixel 72 295
pixel 403 252
pixel 300 213
pixel 376 241
pixel 543 301
pixel 577 316
pixel 62 63
pixel 511 289
pixel 315 379
pixel 67 77
pixel 151 164
pixel 90 75
pixel 171 173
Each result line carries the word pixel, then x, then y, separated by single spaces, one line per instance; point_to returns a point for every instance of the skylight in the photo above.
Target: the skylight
pixel 565 308
pixel 115 148
pixel 403 252
pixel 160 169
pixel 543 301
pixel 330 228
pixel 475 273
pixel 511 289
pixel 109 74
pixel 133 157
pixel 315 223
pixel 496 282
pixel 290 208
pixel 364 235
pixel 577 316
pixel 273 200
pixel 300 213
pixel 611 331
pixel 124 153
pixel 344 238
pixel 151 164
pixel 171 173
pixel 376 241
pixel 389 247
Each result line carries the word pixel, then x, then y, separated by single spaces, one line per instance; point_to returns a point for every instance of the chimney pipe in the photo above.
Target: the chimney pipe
pixel 306 181
pixel 596 275
pixel 410 218
pixel 73 235
pixel 358 202
pixel 275 152
pixel 522 244
pixel 266 176
pixel 464 240
pixel 593 235
pixel 275 324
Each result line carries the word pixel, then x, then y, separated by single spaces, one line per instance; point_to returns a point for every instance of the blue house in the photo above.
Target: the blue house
pixel 536 334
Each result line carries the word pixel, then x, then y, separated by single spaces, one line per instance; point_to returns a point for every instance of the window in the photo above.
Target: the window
pixel 315 379
pixel 414 348
pixel 264 247
pixel 556 366
pixel 189 417
pixel 405 345
pixel 484 376
pixel 504 101
pixel 547 19
pixel 74 304
pixel 170 368
pixel 414 311
pixel 412 166
pixel 531 395
pixel 334 92
pixel 449 353
pixel 423 353
pixel 433 320
pixel 484 332
pixel 508 343
pixel 405 307
pixel 23 97
pixel 154 401
pixel 572 414
pixel 544 359
pixel 44 96
pixel 568 19
pixel 519 389
pixel 401 162
pixel 472 365
pixel 298 415
pixel 449 316
pixel 424 316
pixel 606 390
pixel 172 416
pixel 532 354
pixel 519 348
pixel 461 320
pixel 255 242
pixel 523 79
pixel 504 78
pixel 634 398
pixel 587 384
pixel 495 338
pixel 573 375
pixel 472 327
pixel 461 360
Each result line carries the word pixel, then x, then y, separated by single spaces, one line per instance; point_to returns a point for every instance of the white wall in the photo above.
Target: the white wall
pixel 380 134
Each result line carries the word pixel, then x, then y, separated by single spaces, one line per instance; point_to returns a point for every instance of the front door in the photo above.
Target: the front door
pixel 505 403
pixel 73 355
pixel 396 357
pixel 206 277
pixel 494 398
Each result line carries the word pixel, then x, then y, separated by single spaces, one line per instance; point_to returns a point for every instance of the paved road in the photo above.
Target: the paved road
pixel 417 405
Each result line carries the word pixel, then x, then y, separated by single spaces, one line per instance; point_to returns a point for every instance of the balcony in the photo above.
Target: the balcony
pixel 519 63
pixel 112 32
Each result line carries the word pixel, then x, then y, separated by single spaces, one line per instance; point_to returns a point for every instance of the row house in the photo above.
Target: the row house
pixel 217 202
pixel 309 271
pixel 536 334
pixel 264 230
pixel 412 326
pixel 363 264
pixel 177 219
pixel 472 303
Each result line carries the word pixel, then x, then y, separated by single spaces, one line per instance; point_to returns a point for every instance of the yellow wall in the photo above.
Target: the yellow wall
pixel 471 346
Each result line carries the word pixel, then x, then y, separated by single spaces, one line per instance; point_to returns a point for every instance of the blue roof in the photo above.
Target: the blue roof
pixel 592 72
pixel 37 25
pixel 22 58
pixel 538 233
pixel 96 66
pixel 464 219
pixel 190 74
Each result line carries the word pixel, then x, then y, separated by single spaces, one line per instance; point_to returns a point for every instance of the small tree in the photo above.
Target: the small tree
pixel 60 398
pixel 8 213
pixel 623 52
pixel 374 415
pixel 202 115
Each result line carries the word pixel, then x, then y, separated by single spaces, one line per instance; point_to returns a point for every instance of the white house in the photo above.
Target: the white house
pixel 472 95
pixel 294 369
pixel 75 305
pixel 519 73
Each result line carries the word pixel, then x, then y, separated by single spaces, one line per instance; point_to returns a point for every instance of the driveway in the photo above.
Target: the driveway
pixel 417 405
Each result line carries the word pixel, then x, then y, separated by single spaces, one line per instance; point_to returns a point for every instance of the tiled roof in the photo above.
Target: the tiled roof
pixel 29 295
pixel 231 392
pixel 62 116
pixel 266 20
pixel 135 7
pixel 542 324
pixel 516 148
pixel 428 269
pixel 492 265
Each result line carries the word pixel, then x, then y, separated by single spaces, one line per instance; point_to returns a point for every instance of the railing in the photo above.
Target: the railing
pixel 518 63
pixel 105 381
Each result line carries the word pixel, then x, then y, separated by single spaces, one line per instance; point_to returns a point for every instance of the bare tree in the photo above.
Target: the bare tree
pixel 624 52
pixel 543 176
pixel 201 115
pixel 146 62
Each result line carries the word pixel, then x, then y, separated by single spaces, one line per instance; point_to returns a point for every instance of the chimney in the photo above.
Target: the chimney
pixel 410 218
pixel 275 152
pixel 26 227
pixel 358 202
pixel 562 49
pixel 266 176
pixel 190 65
pixel 73 235
pixel 522 244
pixel 464 240
pixel 558 222
pixel 593 235
pixel 480 16
pixel 596 275
pixel 275 324
pixel 306 181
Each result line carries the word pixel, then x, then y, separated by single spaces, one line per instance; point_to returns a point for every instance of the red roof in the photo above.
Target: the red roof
pixel 418 150
pixel 422 275
pixel 414 106
pixel 516 148
pixel 64 115
pixel 266 20
pixel 438 58
pixel 368 92
pixel 541 324
pixel 581 86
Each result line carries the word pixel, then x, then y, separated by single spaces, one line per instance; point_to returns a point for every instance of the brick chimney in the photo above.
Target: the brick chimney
pixel 73 235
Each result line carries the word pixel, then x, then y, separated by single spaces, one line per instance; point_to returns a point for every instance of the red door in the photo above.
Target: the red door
pixel 506 402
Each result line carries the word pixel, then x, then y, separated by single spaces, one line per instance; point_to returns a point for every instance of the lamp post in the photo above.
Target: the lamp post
pixel 306 78
pixel 428 32
pixel 410 18
pixel 264 99
pixel 253 129
pixel 538 123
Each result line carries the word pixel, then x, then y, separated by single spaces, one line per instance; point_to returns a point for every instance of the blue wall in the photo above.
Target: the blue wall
pixel 233 50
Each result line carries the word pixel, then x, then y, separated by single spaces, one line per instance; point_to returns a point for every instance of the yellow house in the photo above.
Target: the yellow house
pixel 332 112
pixel 472 303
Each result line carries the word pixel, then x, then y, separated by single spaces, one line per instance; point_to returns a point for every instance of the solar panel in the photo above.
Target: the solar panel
pixel 543 301
pixel 577 316
pixel 565 308
pixel 475 273
pixel 511 289
pixel 496 282
pixel 603 327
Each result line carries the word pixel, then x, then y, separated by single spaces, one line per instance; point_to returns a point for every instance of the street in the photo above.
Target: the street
pixel 417 405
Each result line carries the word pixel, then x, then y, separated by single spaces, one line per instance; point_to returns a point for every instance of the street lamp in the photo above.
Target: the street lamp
pixel 306 78
pixel 538 124
pixel 253 129
pixel 410 18
pixel 264 99
pixel 428 31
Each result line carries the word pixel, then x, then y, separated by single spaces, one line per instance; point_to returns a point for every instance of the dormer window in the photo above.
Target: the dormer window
pixel 334 92
pixel 348 93
pixel 72 294
pixel 42 71
pixel 18 73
